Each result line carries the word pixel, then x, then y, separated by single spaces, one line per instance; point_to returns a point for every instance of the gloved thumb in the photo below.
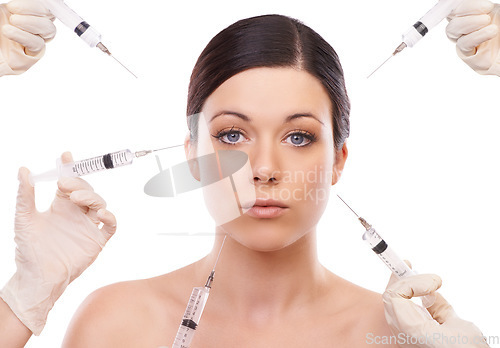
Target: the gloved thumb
pixel 26 193
pixel 414 286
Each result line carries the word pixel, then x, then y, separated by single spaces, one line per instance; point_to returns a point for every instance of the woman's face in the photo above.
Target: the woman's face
pixel 280 117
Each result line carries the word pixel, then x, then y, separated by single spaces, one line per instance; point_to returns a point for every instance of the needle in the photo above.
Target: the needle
pixel 363 221
pixel 223 241
pixel 146 152
pixel 211 276
pixel 348 206
pixel 398 49
pixel 167 147
pixel 385 61
pixel 105 50
pixel 123 66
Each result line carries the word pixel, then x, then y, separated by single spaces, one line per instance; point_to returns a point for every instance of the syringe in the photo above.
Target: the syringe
pixel 92 165
pixel 73 21
pixel 432 18
pixel 194 310
pixel 386 254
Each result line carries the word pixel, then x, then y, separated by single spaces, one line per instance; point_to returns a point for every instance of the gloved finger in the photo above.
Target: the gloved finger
pixel 405 315
pixel 68 185
pixel 394 278
pixel 40 26
pixel 28 7
pixel 32 43
pixel 66 157
pixel 465 25
pixel 473 7
pixel 26 193
pixel 417 285
pixel 467 44
pixel 109 223
pixel 88 199
pixel 441 310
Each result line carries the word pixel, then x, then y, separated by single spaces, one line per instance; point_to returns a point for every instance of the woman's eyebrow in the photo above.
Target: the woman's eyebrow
pixel 246 118
pixel 231 113
pixel 307 114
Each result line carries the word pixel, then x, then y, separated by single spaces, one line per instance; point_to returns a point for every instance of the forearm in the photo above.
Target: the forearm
pixel 13 333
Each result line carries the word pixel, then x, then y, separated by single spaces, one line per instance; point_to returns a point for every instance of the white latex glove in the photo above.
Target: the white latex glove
pixel 54 247
pixel 25 27
pixel 438 326
pixel 474 28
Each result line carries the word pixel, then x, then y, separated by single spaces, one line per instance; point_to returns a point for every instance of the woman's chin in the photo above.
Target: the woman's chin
pixel 268 235
pixel 263 247
pixel 264 240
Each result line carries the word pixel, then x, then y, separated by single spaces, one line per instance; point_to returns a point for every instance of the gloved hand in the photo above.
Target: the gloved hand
pixel 54 247
pixel 438 326
pixel 25 27
pixel 474 26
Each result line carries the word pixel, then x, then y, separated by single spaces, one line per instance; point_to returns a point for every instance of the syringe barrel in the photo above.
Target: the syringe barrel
pixel 392 260
pixel 96 164
pixel 386 254
pixel 432 18
pixel 73 21
pixel 439 12
pixel 191 317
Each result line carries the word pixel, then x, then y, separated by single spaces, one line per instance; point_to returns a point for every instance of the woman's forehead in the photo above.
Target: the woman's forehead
pixel 271 92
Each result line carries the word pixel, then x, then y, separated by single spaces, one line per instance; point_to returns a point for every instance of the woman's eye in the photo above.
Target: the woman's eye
pixel 230 137
pixel 299 139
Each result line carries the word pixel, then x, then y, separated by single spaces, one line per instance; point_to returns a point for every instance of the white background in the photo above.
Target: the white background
pixel 422 168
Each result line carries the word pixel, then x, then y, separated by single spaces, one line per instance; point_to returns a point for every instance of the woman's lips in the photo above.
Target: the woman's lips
pixel 267 209
pixel 265 212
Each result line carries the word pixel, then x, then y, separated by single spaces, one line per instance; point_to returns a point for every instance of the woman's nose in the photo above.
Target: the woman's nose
pixel 265 165
pixel 264 175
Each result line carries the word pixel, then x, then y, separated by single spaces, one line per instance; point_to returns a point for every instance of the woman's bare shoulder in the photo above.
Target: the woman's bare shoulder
pixel 120 314
pixel 373 323
pixel 104 317
pixel 363 314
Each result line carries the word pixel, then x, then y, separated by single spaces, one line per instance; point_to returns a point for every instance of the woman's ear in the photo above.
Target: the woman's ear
pixel 192 159
pixel 338 163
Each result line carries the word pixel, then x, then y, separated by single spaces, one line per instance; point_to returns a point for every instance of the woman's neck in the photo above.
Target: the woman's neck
pixel 265 284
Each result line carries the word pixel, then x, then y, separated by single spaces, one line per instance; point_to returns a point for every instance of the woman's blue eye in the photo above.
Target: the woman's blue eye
pixel 300 139
pixel 230 137
pixel 233 137
pixel 297 139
